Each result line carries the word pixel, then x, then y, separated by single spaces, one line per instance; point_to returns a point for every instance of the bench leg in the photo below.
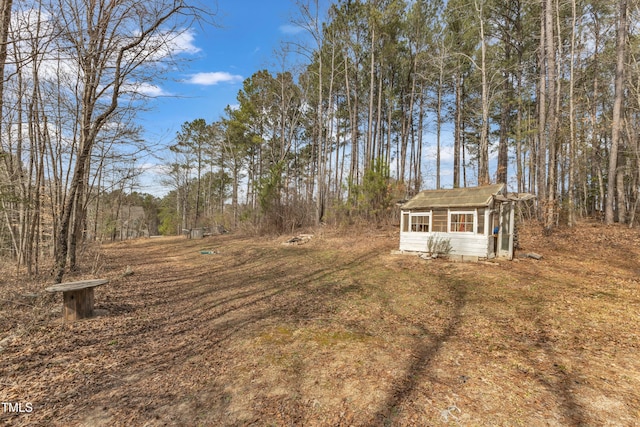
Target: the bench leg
pixel 78 304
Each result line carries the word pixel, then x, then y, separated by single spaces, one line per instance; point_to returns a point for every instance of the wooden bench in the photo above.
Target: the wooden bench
pixel 77 297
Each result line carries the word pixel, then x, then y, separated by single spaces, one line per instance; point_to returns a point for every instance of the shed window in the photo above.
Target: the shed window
pixel 480 221
pixel 420 223
pixel 405 222
pixel 461 222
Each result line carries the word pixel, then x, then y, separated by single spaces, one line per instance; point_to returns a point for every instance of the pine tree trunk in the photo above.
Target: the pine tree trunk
pixel 616 125
pixel 552 143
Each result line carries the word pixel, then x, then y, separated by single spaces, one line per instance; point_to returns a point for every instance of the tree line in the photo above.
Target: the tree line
pixel 542 95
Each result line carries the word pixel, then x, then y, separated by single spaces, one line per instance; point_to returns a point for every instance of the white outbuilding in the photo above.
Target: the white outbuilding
pixel 468 223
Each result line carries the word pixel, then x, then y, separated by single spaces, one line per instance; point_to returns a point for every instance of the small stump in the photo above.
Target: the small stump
pixel 78 297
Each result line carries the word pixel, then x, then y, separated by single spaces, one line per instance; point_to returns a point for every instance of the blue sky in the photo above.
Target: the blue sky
pixel 218 60
pixel 248 34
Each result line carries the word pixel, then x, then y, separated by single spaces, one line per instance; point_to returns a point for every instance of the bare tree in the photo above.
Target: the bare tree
pixel 5 18
pixel 613 182
pixel 552 115
pixel 483 149
pixel 114 46
pixel 572 120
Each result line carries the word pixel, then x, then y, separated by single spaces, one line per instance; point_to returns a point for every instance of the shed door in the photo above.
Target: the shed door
pixel 505 236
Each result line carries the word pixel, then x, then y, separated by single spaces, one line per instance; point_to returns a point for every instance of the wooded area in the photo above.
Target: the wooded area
pixel 542 95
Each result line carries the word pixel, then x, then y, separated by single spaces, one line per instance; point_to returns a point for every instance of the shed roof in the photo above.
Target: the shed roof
pixel 455 198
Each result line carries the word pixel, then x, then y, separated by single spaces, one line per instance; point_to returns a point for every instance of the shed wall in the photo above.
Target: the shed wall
pixel 440 220
pixel 461 243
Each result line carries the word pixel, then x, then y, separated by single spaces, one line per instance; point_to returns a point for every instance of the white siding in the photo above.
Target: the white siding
pixel 462 243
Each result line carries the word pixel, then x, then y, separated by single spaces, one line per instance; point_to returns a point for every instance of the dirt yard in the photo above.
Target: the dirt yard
pixel 333 332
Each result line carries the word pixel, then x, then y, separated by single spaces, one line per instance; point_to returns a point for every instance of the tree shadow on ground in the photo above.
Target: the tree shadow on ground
pixel 560 382
pixel 425 349
pixel 163 353
pixel 177 327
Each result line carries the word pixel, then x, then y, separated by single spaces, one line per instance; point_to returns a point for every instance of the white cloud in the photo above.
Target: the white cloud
pixel 183 43
pixel 213 78
pixel 165 45
pixel 446 152
pixel 291 29
pixel 146 89
pixel 152 179
pixel 154 168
